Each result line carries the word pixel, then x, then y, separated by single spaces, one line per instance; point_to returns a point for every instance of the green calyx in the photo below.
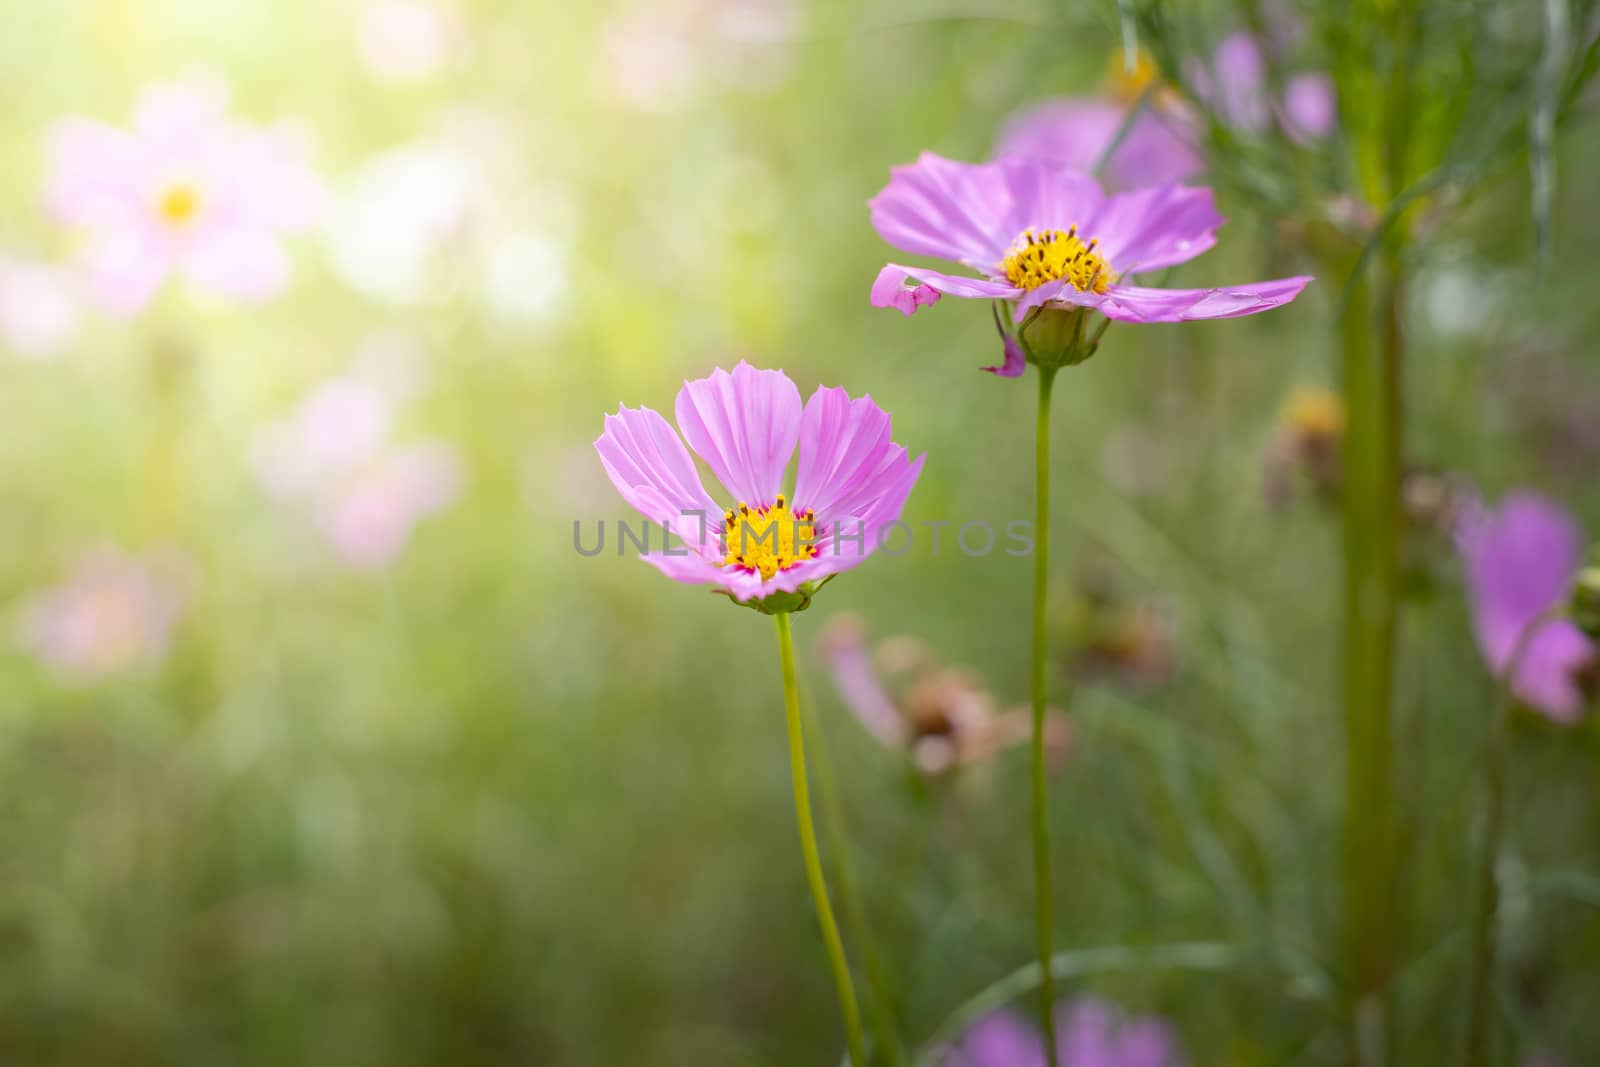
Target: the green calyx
pixel 780 603
pixel 1055 336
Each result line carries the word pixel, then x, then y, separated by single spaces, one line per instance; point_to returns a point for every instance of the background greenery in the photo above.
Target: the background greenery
pixel 504 804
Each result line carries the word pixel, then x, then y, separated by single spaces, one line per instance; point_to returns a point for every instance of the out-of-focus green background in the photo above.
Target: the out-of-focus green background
pixel 499 803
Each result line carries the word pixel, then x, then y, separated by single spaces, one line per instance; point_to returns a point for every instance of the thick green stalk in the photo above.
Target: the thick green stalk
pixel 880 1005
pixel 1371 376
pixel 1041 798
pixel 1479 1009
pixel 831 941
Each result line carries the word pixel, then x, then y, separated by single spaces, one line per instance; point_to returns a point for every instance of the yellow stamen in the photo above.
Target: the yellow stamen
pixel 178 204
pixel 769 539
pixel 1046 255
pixel 1314 412
pixel 1124 85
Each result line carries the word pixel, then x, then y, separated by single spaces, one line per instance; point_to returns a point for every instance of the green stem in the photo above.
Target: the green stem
pixel 1484 945
pixel 1372 376
pixel 1041 810
pixel 879 1002
pixel 831 941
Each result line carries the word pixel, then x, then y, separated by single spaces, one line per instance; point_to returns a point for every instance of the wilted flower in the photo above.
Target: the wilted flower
pixel 114 613
pixel 1109 636
pixel 1305 446
pixel 1044 237
pixel 334 456
pixel 941 717
pixel 1090 1033
pixel 188 192
pixel 38 309
pixel 1075 132
pixel 1521 559
pixel 762 544
pixel 408 40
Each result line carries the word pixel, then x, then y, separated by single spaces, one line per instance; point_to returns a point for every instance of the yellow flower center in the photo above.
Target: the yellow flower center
pixel 770 539
pixel 1314 412
pixel 178 204
pixel 1046 255
pixel 1126 85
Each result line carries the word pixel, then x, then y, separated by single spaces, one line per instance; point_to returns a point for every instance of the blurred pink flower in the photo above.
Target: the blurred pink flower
pixel 334 456
pixel 186 192
pixel 408 40
pixel 1234 85
pixel 1075 132
pixel 115 612
pixel 370 520
pixel 38 309
pixel 1520 561
pixel 1089 1033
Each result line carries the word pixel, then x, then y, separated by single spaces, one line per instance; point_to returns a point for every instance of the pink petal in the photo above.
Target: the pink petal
pixel 944 208
pixel 1137 304
pixel 894 279
pixel 744 425
pixel 1154 228
pixel 844 650
pixel 841 441
pixel 1015 362
pixel 647 462
pixel 891 290
pixel 242 263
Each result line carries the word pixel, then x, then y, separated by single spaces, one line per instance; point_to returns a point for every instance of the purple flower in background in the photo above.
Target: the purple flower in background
pixel 1090 1033
pixel 1074 133
pixel 851 481
pixel 939 716
pixel 1520 561
pixel 186 192
pixel 114 613
pixel 38 309
pixel 1235 86
pixel 334 456
pixel 1043 236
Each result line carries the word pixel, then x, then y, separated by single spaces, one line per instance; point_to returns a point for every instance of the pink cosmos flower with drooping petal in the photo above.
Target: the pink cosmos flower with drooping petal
pixel 187 192
pixel 1521 559
pixel 850 483
pixel 1040 236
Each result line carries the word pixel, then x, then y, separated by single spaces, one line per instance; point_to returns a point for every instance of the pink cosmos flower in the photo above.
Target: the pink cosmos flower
pixel 1043 236
pixel 1089 1033
pixel 186 192
pixel 114 613
pixel 1074 133
pixel 1520 561
pixel 850 484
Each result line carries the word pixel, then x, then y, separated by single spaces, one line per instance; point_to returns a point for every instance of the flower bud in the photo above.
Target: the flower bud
pixel 1585 603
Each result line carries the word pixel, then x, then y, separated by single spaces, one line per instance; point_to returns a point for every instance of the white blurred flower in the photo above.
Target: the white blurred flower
pixel 456 214
pixel 115 612
pixel 525 276
pixel 656 54
pixel 38 309
pixel 408 40
pixel 395 215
